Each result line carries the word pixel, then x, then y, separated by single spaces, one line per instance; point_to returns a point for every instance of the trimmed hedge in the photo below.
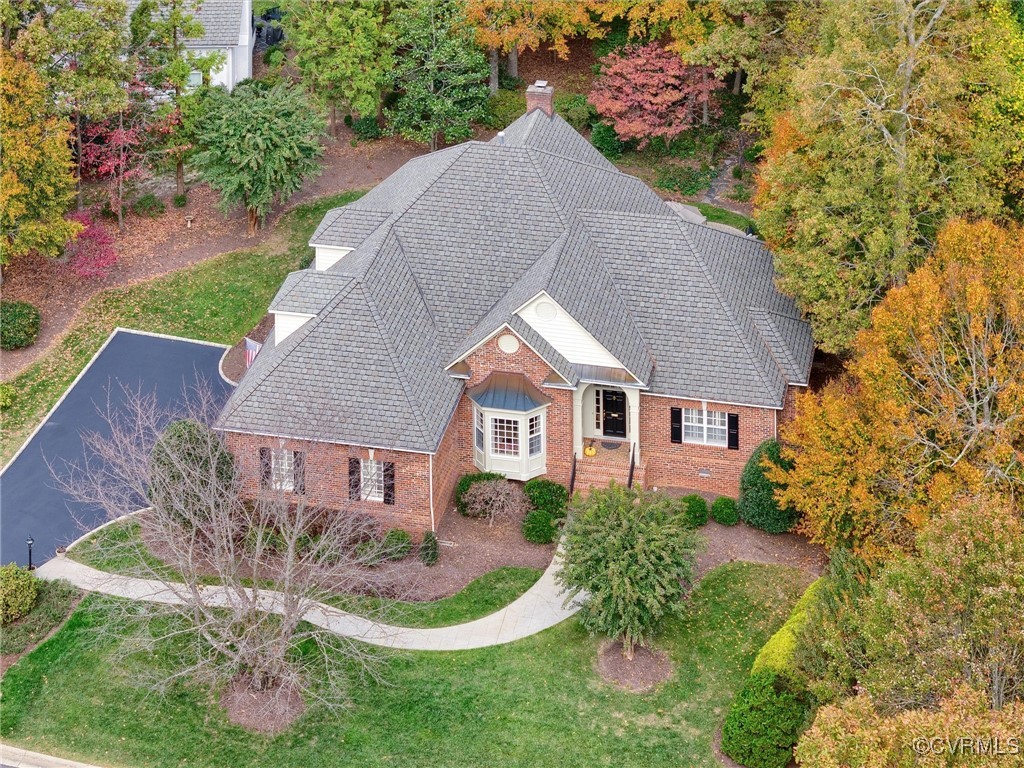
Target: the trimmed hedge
pixel 466 481
pixel 547 495
pixel 19 324
pixel 765 721
pixel 694 510
pixel 18 590
pixel 540 527
pixel 430 550
pixel 723 511
pixel 757 504
pixel 397 544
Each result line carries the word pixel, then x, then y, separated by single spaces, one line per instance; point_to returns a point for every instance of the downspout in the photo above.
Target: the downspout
pixel 430 482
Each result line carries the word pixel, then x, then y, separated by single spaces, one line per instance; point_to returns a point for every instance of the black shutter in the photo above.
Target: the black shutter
pixel 734 431
pixel 265 467
pixel 389 482
pixel 299 471
pixel 355 480
pixel 677 425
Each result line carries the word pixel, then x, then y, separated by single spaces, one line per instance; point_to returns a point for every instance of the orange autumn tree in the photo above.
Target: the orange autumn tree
pixel 932 407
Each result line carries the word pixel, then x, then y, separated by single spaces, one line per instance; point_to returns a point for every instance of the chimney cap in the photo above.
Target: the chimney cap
pixel 541 83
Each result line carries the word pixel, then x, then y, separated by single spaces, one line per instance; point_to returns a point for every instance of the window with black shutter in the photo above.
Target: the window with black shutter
pixel 734 431
pixel 354 479
pixel 389 482
pixel 265 467
pixel 677 425
pixel 299 471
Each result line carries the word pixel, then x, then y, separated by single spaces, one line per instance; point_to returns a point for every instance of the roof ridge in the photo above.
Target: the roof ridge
pixel 740 235
pixel 698 256
pixel 790 363
pixel 612 170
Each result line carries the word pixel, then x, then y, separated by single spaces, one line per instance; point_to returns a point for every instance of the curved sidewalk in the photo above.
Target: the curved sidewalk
pixel 537 609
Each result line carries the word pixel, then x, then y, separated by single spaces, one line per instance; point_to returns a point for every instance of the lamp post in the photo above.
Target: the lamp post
pixel 30 541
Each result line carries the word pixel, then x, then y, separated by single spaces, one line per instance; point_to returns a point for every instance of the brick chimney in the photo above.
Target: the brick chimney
pixel 540 96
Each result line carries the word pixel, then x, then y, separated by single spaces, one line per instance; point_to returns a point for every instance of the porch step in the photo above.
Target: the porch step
pixel 591 474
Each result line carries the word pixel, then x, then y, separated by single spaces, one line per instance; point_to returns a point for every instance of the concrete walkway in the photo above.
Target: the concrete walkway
pixel 537 609
pixel 16 757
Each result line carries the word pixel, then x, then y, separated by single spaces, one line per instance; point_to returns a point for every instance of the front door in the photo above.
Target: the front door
pixel 613 406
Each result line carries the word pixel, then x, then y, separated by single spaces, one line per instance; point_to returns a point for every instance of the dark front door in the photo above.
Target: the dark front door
pixel 613 404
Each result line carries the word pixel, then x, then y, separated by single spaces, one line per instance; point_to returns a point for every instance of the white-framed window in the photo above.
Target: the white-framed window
pixel 282 469
pixel 598 423
pixel 372 476
pixel 536 434
pixel 708 427
pixel 504 437
pixel 195 79
pixel 478 429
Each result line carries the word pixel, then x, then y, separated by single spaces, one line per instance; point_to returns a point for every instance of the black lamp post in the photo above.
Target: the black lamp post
pixel 30 541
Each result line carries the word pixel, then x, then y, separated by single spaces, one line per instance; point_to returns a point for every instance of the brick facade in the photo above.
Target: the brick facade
pixel 668 464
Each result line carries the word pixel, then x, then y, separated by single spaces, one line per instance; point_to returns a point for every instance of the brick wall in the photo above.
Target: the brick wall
pixel 789 404
pixel 326 473
pixel 668 464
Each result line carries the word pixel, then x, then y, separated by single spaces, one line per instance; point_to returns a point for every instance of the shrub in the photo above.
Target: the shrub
pixel 539 527
pixel 496 500
pixel 188 444
pixel 684 179
pixel 397 545
pixel 369 552
pixel 7 396
pixel 347 120
pixel 632 557
pixel 92 252
pixel 430 550
pixel 19 324
pixel 757 504
pixel 180 201
pixel 467 481
pixel 575 110
pixel 503 108
pixel 779 653
pixel 753 153
pixel 149 205
pixel 273 56
pixel 508 83
pixel 694 510
pixel 366 128
pixel 18 589
pixel 723 511
pixel 740 193
pixel 547 495
pixel 606 141
pixel 737 171
pixel 764 722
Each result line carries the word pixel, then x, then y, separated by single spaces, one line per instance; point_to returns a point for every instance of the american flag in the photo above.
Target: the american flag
pixel 252 348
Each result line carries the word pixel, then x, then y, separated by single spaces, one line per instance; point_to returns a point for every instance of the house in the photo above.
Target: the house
pixel 516 306
pixel 228 29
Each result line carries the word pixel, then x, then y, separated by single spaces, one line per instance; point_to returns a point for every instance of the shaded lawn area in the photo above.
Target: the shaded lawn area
pixel 117 549
pixel 536 702
pixel 53 601
pixel 724 216
pixel 217 300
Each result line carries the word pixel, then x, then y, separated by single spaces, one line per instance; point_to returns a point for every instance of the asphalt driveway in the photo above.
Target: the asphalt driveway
pixel 30 504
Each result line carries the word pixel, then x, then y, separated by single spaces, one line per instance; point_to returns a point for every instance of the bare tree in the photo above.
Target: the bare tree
pixel 496 501
pixel 244 571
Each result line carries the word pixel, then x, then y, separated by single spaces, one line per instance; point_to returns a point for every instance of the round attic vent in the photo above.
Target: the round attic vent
pixel 546 310
pixel 508 343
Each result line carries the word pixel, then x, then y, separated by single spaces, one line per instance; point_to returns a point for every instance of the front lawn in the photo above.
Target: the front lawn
pixel 217 300
pixel 536 702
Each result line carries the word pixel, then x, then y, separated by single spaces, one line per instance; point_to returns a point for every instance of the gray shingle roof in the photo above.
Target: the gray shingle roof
pixel 448 247
pixel 221 19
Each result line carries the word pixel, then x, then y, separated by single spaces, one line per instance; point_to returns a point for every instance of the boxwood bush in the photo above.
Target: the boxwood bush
pixel 547 495
pixel 540 527
pixel 757 505
pixel 694 510
pixel 765 721
pixel 149 206
pixel 430 550
pixel 466 481
pixel 397 544
pixel 7 396
pixel 18 590
pixel 19 324
pixel 723 511
pixel 366 128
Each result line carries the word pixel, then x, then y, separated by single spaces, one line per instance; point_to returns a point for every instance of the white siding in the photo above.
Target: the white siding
pixel 327 257
pixel 562 332
pixel 287 323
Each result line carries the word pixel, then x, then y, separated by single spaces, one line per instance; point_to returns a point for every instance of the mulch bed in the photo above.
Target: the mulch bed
pixel 233 364
pixel 648 669
pixel 270 711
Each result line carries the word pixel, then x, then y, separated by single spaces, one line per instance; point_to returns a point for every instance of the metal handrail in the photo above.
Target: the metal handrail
pixel 572 476
pixel 632 465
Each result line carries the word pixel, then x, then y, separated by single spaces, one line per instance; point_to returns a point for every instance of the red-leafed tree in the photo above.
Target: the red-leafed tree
pixel 92 252
pixel 646 91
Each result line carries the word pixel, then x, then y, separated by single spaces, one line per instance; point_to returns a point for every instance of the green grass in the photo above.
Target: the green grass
pixel 53 602
pixel 723 216
pixel 217 300
pixel 536 702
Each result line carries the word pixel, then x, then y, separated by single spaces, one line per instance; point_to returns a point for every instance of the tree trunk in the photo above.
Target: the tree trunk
pixel 334 120
pixel 705 98
pixel 179 176
pixel 78 143
pixel 120 177
pixel 513 62
pixel 492 58
pixel 737 81
pixel 254 221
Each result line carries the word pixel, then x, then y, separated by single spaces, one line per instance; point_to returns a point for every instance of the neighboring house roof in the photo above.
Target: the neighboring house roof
pixel 448 248
pixel 221 19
